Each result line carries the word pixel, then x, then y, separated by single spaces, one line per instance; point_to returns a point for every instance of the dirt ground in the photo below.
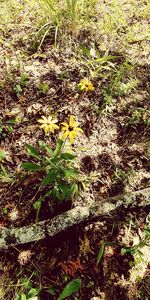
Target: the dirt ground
pixel 112 155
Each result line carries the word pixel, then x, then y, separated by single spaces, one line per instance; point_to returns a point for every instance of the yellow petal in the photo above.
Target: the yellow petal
pixel 71 121
pixel 41 121
pixel 46 129
pixel 64 129
pixel 54 121
pixel 91 87
pixel 65 135
pixel 42 126
pixel 51 128
pixel 55 126
pixel 49 119
pixel 65 124
pixel 44 118
pixel 71 136
pixel 79 129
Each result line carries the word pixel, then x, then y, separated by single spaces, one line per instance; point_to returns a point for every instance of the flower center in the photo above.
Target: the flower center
pixel 70 128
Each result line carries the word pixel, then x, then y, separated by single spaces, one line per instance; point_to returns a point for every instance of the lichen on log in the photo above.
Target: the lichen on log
pixel 51 227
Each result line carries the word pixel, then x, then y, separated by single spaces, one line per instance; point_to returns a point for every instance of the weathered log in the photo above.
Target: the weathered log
pixel 35 232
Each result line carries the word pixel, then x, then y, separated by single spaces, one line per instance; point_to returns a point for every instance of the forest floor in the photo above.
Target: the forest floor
pixel 112 152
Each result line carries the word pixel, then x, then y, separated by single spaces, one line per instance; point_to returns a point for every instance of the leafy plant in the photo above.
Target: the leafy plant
pixel 70 289
pixel 58 167
pixel 140 115
pixel 2 154
pixel 6 127
pixel 99 66
pixel 101 252
pixel 5 176
pixel 67 16
pixel 28 292
pixel 43 87
pixel 142 241
pixel 18 88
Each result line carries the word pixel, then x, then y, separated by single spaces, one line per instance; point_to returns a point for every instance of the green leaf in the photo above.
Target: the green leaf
pixel 12 121
pixel 2 154
pixel 32 151
pixel 74 189
pixel 51 291
pixel 37 204
pixel 31 167
pixel 101 252
pixel 33 292
pixel 44 146
pixel 85 50
pixel 50 177
pixel 58 147
pixel 23 296
pixel 68 156
pixel 71 288
pixel 26 283
pixel 61 191
pixel 70 172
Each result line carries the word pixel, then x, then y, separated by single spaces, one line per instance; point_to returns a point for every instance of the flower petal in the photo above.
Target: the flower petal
pixel 65 135
pixel 55 126
pixel 41 121
pixel 51 128
pixel 71 136
pixel 71 121
pixel 46 129
pixel 49 119
pixel 79 129
pixel 54 121
pixel 65 124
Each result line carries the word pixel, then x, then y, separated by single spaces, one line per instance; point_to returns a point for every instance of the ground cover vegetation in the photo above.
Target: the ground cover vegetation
pixel 74 130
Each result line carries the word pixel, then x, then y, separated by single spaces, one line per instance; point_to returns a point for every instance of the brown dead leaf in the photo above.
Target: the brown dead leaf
pixel 71 267
pixel 24 256
pixel 22 99
pixel 52 263
pixel 85 246
pixel 30 179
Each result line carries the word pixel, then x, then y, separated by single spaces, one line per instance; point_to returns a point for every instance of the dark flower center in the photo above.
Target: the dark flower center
pixel 70 128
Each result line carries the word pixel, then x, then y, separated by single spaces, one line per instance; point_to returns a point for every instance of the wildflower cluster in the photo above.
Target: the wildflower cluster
pixel 70 130
pixel 86 85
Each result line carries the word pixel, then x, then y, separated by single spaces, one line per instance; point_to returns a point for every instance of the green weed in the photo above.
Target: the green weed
pixel 59 167
pixel 23 81
pixel 43 87
pixel 65 17
pixel 5 176
pixel 139 116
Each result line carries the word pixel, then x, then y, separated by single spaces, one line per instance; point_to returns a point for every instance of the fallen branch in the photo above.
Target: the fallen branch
pixel 50 227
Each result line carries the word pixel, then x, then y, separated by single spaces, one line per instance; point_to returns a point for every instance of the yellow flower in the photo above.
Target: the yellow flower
pixel 86 85
pixel 70 130
pixel 48 124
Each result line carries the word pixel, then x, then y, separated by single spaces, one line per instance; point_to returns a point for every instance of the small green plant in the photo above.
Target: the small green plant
pixel 70 289
pixel 122 174
pixel 5 176
pixel 18 88
pixel 98 66
pixel 118 86
pixel 67 17
pixel 136 250
pixel 6 127
pixel 43 87
pixel 2 154
pixel 139 116
pixel 59 168
pixel 28 292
